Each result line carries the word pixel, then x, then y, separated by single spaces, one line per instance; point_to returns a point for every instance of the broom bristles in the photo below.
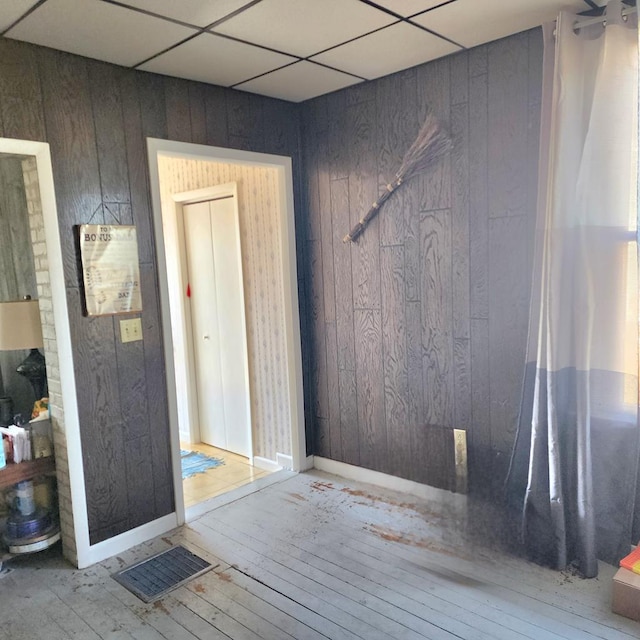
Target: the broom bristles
pixel 431 142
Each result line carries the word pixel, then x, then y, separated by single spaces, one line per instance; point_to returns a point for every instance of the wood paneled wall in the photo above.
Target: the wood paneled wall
pixel 95 117
pixel 423 323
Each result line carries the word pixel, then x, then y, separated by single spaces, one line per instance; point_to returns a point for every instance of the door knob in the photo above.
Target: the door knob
pixel 205 337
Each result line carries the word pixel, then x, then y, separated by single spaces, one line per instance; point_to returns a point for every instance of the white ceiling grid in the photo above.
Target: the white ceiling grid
pixel 289 49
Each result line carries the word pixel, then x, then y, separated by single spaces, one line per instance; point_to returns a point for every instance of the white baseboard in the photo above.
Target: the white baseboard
pixel 360 474
pixel 266 464
pixel 118 544
pixel 284 461
pixel 307 463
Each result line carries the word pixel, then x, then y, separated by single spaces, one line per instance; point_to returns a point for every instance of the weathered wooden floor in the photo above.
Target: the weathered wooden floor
pixel 316 557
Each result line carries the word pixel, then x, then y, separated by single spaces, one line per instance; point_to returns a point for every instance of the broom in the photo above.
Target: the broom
pixel 432 142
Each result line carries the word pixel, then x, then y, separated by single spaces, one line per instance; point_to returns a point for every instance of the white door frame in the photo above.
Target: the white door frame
pixel 282 165
pixel 181 199
pixel 42 154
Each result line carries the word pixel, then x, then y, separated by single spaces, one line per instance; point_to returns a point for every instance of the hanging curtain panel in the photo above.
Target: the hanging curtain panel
pixel 575 462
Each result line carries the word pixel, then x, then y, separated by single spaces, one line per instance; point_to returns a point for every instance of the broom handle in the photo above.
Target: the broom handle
pixel 358 228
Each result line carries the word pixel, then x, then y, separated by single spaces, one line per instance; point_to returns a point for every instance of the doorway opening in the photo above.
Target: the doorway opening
pixel 226 257
pixel 220 455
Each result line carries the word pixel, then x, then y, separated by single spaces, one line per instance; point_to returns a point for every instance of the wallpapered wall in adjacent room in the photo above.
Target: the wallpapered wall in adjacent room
pixel 258 202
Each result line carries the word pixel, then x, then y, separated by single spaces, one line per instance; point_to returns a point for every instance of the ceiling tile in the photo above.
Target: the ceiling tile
pixel 304 27
pixel 98 30
pixel 217 60
pixel 11 10
pixel 470 22
pixel 298 82
pixel 408 7
pixel 397 47
pixel 198 12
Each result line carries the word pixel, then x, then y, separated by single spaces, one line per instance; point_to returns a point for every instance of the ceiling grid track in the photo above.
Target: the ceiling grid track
pixel 289 49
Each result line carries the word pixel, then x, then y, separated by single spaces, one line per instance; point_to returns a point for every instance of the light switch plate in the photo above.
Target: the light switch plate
pixel 131 330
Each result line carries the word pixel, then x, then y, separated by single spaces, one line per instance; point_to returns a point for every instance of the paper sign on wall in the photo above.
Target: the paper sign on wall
pixel 110 270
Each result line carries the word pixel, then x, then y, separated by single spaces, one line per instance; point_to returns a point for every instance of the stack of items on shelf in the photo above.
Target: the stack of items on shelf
pixel 626 587
pixel 17 444
pixel 28 507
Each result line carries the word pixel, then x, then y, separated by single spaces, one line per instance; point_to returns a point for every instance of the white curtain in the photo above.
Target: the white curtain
pixel 576 455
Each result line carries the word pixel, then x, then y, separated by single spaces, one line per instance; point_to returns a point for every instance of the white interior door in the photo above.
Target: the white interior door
pixel 212 239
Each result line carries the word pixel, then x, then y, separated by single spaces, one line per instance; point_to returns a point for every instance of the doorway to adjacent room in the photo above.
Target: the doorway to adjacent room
pixel 228 287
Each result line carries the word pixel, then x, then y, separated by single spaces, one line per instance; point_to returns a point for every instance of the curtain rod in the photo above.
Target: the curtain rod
pixel 585 22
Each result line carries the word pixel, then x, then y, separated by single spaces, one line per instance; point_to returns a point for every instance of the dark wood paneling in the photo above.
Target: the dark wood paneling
pixel 138 167
pixel 102 435
pixel 508 122
pixel 312 219
pixel 106 102
pixel 21 110
pixel 479 443
pixel 374 452
pixel 215 100
pixel 341 282
pixel 71 135
pixel 178 108
pixel 197 113
pixel 460 219
pixel 281 127
pixel 459 78
pixel 160 454
pixel 396 99
pixel 508 320
pixel 415 386
pixel 329 206
pixel 349 431
pixel 338 150
pixel 394 343
pixel 461 383
pixel 478 61
pixel 478 197
pixel 363 192
pixel 317 331
pixel 437 318
pixel 132 384
pixel 412 259
pixel 140 475
pixel 97 117
pixel 434 84
pixel 434 293
pixel 151 95
pixel 333 391
pixel 536 49
pixel 245 116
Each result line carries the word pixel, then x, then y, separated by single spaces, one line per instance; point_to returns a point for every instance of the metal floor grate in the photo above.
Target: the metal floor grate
pixel 155 576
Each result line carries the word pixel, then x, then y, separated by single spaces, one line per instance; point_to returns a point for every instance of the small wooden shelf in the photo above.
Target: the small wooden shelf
pixel 13 473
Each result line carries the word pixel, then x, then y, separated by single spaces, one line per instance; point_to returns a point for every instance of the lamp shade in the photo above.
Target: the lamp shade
pixel 20 326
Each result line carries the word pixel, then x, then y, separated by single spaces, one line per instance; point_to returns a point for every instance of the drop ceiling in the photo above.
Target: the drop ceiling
pixel 289 49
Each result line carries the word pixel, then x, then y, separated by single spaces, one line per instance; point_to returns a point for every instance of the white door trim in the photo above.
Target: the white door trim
pixel 42 154
pixel 282 164
pixel 188 197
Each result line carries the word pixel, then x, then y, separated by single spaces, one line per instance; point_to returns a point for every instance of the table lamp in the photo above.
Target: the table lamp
pixel 20 328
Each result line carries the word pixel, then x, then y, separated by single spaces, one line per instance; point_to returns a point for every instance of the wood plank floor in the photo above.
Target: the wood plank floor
pixel 313 556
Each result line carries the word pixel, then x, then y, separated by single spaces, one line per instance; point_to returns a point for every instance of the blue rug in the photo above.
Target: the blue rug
pixel 194 462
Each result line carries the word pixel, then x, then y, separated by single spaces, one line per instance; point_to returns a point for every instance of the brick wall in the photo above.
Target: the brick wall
pixel 36 225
